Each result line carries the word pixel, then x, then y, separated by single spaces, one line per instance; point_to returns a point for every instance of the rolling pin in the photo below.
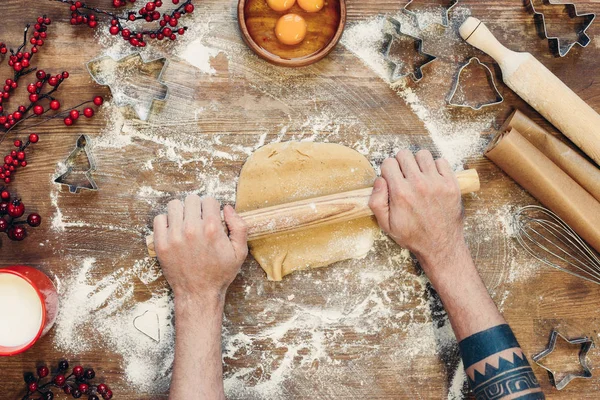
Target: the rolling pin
pixel 319 211
pixel 539 87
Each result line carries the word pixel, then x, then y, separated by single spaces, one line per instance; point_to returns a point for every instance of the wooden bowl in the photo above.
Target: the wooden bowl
pixel 299 62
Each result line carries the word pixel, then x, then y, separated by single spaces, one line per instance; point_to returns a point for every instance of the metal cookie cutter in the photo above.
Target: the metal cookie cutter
pixel 452 102
pixel 445 15
pixel 397 67
pixel 131 81
pixel 556 44
pixel 586 344
pixel 79 176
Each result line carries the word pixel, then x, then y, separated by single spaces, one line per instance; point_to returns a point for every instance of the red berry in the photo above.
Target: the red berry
pixel 4 227
pixel 18 233
pixel 98 100
pixel 83 388
pixel 17 115
pixel 78 370
pixel 189 8
pixel 108 395
pixel 34 97
pixel 65 75
pixel 16 209
pixel 8 160
pixel 167 31
pixel 54 105
pixel 34 138
pixel 38 110
pixel 88 112
pixel 74 114
pixel 31 88
pixel 5 195
pixel 43 371
pixel 52 81
pixel 34 220
pixel 114 30
pixel 23 164
pixel 92 24
pixel 33 387
pixel 68 389
pixel 21 155
pixel 102 388
pixel 68 121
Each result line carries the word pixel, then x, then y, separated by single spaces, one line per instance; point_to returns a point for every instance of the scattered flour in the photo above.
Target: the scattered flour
pixel 378 309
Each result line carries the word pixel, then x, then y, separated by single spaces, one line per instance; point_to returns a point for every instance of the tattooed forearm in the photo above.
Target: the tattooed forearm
pixel 497 367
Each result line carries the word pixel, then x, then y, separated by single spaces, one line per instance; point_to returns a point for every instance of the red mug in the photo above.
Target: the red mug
pixel 28 308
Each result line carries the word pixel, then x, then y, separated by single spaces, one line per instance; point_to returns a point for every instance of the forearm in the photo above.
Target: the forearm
pixel 492 358
pixel 198 370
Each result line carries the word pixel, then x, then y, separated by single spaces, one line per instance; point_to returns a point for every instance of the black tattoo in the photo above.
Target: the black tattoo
pixel 497 367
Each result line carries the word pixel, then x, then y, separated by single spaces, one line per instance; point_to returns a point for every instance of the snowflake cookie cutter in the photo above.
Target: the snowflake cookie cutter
pixel 445 14
pixel 77 177
pixel 452 102
pixel 555 42
pixel 143 88
pixel 395 66
pixel 586 344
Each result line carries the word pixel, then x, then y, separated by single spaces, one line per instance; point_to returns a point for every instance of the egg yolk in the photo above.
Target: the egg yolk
pixel 290 29
pixel 311 5
pixel 281 5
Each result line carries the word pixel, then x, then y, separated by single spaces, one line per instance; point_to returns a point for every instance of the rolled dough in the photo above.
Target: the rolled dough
pixel 284 172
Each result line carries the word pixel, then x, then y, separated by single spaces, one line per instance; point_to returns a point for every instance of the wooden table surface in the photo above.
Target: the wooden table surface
pixel 245 102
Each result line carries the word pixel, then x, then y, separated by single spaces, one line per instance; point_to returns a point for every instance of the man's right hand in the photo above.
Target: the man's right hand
pixel 417 202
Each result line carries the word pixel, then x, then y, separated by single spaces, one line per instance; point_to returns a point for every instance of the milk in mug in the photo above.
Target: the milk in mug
pixel 21 311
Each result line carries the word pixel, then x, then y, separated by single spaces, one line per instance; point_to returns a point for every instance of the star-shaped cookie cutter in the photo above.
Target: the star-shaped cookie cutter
pixel 121 96
pixel 555 42
pixel 86 182
pixel 499 99
pixel 445 15
pixel 396 67
pixel 586 345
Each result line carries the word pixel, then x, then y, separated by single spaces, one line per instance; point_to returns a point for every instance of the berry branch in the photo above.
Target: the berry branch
pixel 76 384
pixel 42 89
pixel 168 22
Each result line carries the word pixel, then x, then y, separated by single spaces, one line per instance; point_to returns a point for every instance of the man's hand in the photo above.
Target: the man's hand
pixel 194 251
pixel 417 203
pixel 200 261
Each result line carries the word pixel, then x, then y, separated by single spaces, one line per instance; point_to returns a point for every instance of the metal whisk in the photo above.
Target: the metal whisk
pixel 549 239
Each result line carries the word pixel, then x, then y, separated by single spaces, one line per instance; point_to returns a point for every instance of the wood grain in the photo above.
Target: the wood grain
pixel 110 225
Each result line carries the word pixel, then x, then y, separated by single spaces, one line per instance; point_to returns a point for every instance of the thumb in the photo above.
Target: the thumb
pixel 379 203
pixel 238 232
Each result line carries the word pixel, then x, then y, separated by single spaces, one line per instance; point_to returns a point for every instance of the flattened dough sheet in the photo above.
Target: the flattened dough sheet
pixel 284 172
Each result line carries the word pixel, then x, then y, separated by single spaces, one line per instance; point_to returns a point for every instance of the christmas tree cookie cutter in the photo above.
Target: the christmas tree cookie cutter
pixel 445 14
pixel 557 45
pixel 586 345
pixel 397 67
pixel 451 99
pixel 133 80
pixel 78 176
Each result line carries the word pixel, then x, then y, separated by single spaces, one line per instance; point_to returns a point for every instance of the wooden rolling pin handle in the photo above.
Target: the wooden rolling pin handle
pixel 474 32
pixel 311 213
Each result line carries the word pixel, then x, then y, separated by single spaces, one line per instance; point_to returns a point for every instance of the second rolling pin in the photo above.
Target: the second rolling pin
pixel 539 87
pixel 311 213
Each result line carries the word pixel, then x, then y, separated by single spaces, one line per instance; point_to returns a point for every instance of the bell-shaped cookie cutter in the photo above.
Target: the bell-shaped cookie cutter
pixel 556 43
pixel 396 67
pixel 450 99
